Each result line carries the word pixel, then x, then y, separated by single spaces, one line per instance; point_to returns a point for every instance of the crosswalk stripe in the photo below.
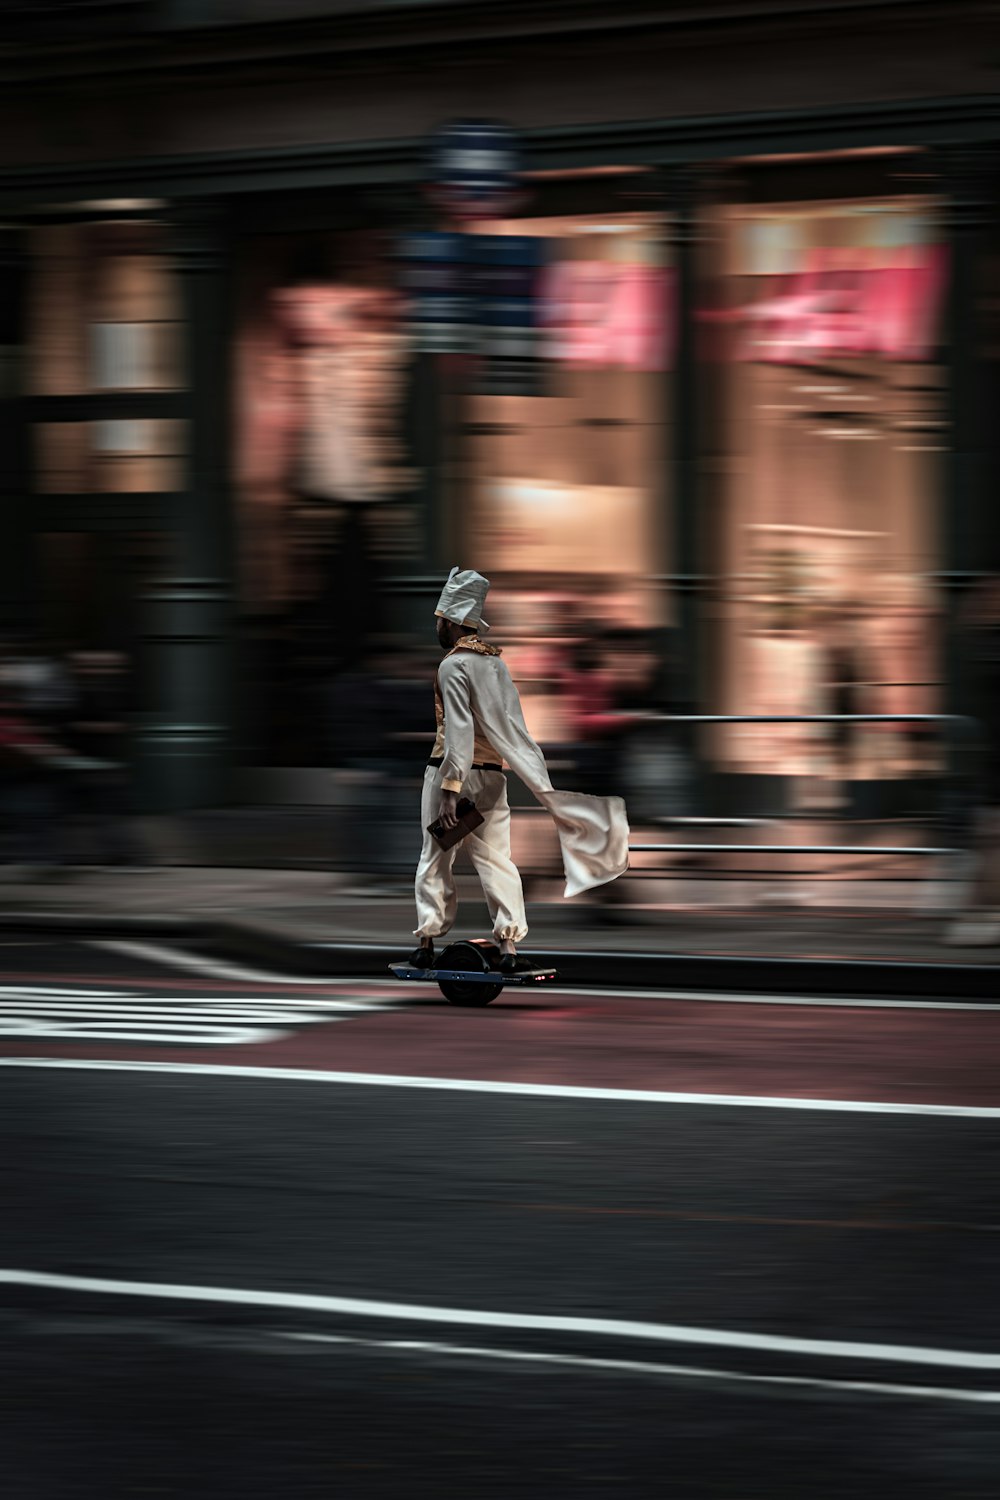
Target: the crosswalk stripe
pixel 138 1007
pixel 132 997
pixel 130 1015
pixel 262 1018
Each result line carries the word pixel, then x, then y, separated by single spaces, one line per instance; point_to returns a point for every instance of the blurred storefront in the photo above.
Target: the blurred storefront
pixel 567 486
pixel 747 419
pixel 373 449
pixel 826 569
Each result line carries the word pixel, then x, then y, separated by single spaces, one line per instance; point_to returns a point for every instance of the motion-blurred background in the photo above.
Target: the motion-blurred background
pixel 678 321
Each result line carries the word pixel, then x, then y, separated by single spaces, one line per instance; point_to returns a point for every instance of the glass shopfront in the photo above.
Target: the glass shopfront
pixel 323 376
pixel 766 536
pixel 568 486
pixel 104 321
pixel 103 328
pixel 818 517
pixel 817 324
pixel 548 448
pixel 833 430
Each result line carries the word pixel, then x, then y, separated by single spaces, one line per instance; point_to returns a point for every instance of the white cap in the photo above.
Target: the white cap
pixel 463 599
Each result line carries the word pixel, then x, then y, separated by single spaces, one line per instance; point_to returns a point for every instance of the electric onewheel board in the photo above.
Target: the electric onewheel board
pixel 468 973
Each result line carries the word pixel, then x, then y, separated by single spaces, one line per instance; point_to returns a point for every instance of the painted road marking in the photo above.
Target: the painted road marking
pixel 178 958
pixel 190 1020
pixel 727 997
pixel 581 1362
pixel 166 1034
pixel 131 1000
pixel 27 988
pixel 418 1312
pixel 215 968
pixel 495 1086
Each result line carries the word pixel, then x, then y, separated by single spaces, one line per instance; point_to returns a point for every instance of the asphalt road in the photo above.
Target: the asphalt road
pixel 276 1239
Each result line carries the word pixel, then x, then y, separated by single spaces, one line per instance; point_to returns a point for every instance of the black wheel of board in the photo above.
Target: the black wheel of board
pixel 477 958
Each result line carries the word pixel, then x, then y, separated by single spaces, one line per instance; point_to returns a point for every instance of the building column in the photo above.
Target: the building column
pixel 188 742
pixel 414 589
pixel 18 591
pixel 431 429
pixel 967 174
pixel 685 578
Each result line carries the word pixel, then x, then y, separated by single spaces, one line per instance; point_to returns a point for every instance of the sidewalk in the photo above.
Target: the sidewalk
pixel 322 922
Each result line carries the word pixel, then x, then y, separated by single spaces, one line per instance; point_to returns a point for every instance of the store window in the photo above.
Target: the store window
pixel 324 483
pixel 835 434
pixel 103 346
pixel 566 485
pixel 539 351
pixel 105 321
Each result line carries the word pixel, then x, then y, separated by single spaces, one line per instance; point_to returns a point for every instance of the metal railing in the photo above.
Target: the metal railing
pixel 962 735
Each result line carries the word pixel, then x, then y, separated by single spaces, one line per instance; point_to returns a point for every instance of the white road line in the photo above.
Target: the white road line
pixel 172 956
pixel 191 1030
pixel 128 998
pixel 188 1019
pixel 176 958
pixel 151 1031
pixel 644 1367
pixel 179 959
pixel 495 1086
pixel 20 990
pixel 192 1008
pixel 726 997
pixel 414 1312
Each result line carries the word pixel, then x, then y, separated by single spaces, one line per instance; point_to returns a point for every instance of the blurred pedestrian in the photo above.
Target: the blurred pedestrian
pixel 588 705
pixel 903 638
pixel 34 774
pixel 655 758
pixel 97 732
pixel 377 740
pixel 348 355
pixel 39 681
pixel 843 679
pixel 613 706
pixel 978 924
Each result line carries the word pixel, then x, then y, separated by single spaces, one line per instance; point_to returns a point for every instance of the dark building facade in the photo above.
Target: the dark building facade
pixel 760 418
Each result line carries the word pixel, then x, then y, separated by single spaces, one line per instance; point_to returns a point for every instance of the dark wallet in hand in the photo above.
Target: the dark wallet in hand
pixel 469 817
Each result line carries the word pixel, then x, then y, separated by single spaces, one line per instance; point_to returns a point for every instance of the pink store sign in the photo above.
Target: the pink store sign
pixel 838 302
pixel 602 313
pixel 849 302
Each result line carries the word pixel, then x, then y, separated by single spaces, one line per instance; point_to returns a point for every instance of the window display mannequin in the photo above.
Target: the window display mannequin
pixel 348 353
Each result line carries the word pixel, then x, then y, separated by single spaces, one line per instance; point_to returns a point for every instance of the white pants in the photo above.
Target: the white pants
pixel 488 848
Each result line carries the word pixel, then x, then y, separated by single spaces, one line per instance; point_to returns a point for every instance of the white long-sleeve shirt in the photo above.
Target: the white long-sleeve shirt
pixel 483 721
pixel 461 742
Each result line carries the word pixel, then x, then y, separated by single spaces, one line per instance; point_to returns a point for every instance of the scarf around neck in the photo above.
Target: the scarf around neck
pixel 473 643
